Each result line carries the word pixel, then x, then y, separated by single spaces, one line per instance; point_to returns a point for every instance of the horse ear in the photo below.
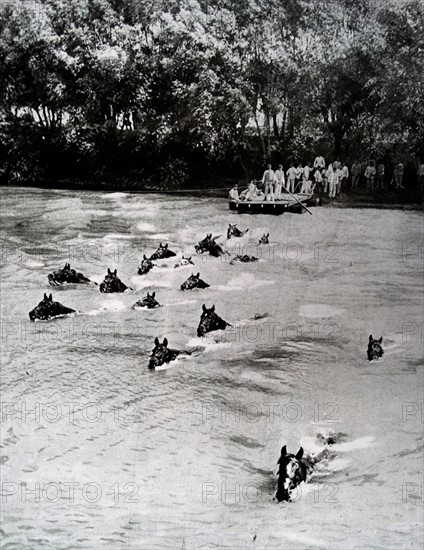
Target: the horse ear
pixel 203 307
pixel 299 453
pixel 51 298
pixel 153 294
pixel 156 341
pixel 108 270
pixel 283 454
pixel 166 246
pixel 45 296
pixel 198 275
pixel 381 340
pixel 371 338
pixel 147 294
pixel 115 272
pixel 213 308
pixel 144 257
pixel 165 342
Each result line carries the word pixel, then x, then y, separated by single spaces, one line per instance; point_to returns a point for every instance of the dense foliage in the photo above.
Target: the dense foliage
pixel 173 91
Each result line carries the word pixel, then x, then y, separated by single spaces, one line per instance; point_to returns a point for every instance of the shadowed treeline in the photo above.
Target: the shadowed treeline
pixel 176 93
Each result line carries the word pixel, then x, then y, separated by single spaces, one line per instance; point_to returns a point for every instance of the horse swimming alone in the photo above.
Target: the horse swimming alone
pixel 145 266
pixel 47 309
pixel 233 231
pixel 264 239
pixel 66 275
pixel 375 350
pixel 148 302
pixel 194 281
pixel 162 252
pixel 161 354
pixel 292 471
pixel 210 321
pixel 112 283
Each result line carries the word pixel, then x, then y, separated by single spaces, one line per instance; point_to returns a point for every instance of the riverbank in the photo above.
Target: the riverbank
pixel 408 199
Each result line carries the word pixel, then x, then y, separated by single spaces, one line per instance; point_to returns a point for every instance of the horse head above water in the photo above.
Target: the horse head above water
pixel 264 239
pixel 112 283
pixel 208 244
pixel 375 350
pixel 194 281
pixel 145 266
pixel 292 471
pixel 67 275
pixel 161 354
pixel 184 261
pixel 47 309
pixel 148 302
pixel 233 231
pixel 210 321
pixel 245 258
pixel 162 252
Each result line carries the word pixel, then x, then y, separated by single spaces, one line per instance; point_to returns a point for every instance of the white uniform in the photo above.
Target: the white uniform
pixel 234 194
pixel 268 179
pixel 280 180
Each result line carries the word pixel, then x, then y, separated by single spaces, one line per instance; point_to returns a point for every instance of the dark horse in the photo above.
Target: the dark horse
pixel 47 309
pixel 244 259
pixel 112 283
pixel 209 321
pixel 148 301
pixel 194 281
pixel 145 266
pixel 292 471
pixel 375 350
pixel 67 275
pixel 162 354
pixel 162 252
pixel 233 231
pixel 209 245
pixel 264 239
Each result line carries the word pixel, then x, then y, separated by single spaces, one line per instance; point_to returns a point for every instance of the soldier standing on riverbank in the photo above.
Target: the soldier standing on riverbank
pixel 380 175
pixel 398 175
pixel 356 174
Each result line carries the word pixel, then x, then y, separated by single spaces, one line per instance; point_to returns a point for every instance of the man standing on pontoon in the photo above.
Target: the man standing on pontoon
pixel 280 181
pixel 268 179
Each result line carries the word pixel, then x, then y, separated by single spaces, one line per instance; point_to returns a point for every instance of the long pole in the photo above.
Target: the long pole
pixel 296 199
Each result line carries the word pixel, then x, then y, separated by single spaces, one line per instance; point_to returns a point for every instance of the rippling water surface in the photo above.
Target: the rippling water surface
pixel 186 457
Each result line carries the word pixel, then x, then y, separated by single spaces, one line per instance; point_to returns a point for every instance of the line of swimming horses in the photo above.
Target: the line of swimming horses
pixel 292 468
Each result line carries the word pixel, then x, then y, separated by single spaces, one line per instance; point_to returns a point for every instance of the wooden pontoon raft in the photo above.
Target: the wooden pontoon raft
pixel 286 204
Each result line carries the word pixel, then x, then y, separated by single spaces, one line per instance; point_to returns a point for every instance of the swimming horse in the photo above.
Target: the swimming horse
pixel 210 321
pixel 161 354
pixel 375 350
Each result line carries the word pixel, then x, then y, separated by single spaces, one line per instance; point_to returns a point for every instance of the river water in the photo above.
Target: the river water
pixel 99 452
